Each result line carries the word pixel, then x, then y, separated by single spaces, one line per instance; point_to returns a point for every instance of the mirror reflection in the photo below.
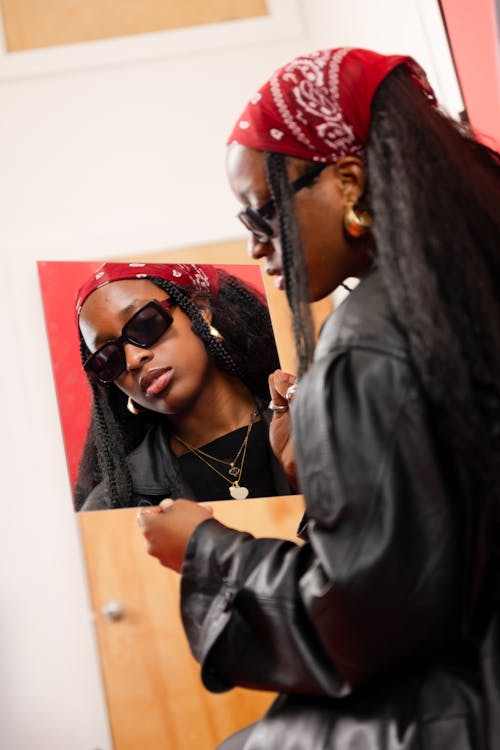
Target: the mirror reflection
pixel 171 393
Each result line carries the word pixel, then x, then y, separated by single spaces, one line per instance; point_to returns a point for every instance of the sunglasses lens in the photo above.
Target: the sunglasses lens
pixel 147 325
pixel 107 363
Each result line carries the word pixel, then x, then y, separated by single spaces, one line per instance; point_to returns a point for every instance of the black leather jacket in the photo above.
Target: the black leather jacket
pixel 364 630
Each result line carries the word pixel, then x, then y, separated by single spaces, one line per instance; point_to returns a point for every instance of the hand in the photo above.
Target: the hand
pixel 168 528
pixel 280 431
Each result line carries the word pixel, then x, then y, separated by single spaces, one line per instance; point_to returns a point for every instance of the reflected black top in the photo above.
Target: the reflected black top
pixel 257 474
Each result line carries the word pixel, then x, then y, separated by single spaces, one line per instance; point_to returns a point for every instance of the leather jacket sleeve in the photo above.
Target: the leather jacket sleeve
pixel 376 586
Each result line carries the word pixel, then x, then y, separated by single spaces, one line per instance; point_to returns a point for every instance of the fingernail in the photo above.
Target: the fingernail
pixel 167 503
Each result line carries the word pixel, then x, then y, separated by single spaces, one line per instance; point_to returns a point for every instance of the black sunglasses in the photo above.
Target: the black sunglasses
pixel 257 221
pixel 145 327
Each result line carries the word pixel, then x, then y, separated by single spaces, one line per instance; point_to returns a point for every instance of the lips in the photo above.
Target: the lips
pixel 156 381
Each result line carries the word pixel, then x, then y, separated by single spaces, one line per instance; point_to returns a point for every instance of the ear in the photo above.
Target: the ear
pixel 351 173
pixel 206 312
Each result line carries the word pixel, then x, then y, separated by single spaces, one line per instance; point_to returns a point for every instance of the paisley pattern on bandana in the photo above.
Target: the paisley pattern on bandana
pixel 317 107
pixel 315 104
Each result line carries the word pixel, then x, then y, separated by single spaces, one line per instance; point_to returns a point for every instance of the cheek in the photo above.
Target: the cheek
pixel 191 364
pixel 326 260
pixel 319 223
pixel 327 218
pixel 190 352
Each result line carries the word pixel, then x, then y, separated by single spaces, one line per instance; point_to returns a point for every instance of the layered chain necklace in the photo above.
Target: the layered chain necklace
pixel 235 469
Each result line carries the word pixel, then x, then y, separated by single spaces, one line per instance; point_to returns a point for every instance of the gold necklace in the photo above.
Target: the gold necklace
pixel 236 491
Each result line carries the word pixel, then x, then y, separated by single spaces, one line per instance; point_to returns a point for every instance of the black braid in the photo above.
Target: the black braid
pixel 440 260
pixel 293 260
pixel 241 315
pixel 111 456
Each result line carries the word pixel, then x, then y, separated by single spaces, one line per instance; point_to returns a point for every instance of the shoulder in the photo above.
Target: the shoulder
pixel 152 471
pixel 364 320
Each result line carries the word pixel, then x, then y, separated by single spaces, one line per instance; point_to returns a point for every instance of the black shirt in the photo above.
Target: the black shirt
pixel 257 474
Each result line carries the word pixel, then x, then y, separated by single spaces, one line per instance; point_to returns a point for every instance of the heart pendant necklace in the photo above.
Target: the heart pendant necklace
pixel 237 491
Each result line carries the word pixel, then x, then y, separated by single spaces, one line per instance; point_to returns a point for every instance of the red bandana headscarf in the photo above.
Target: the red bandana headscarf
pixel 195 278
pixel 317 107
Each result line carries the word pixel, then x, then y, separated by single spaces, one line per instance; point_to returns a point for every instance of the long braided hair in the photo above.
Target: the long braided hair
pixel 434 192
pixel 295 276
pixel 246 351
pixel 438 248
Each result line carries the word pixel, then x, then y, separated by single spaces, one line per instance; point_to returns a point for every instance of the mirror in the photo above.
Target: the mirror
pixel 161 460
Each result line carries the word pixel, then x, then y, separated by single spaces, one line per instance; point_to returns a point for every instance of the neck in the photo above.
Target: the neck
pixel 226 406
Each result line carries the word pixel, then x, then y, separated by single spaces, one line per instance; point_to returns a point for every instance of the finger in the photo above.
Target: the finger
pixel 166 503
pixel 141 516
pixel 279 382
pixel 145 515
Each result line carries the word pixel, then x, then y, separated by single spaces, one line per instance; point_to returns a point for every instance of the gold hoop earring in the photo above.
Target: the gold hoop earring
pixel 215 333
pixel 357 224
pixel 133 408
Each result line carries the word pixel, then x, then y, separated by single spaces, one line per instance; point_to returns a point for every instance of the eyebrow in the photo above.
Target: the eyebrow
pixel 128 311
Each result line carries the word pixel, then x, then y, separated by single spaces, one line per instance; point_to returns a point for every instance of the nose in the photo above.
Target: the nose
pixel 258 249
pixel 135 356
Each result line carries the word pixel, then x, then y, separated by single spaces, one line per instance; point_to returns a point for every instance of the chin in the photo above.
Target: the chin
pixel 175 404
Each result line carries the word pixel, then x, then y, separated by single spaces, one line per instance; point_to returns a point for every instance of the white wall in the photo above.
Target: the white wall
pixel 98 160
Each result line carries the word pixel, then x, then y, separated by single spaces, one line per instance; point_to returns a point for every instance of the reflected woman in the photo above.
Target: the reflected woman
pixel 178 358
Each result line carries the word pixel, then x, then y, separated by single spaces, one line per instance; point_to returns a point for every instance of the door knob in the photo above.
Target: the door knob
pixel 113 610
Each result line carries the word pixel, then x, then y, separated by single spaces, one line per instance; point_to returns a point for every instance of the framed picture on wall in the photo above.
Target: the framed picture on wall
pixel 60 35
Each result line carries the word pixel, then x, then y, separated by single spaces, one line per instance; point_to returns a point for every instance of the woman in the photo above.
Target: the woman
pixel 178 357
pixel 382 631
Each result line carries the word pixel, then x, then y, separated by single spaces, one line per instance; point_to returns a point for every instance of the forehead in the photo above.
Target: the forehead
pixel 108 308
pixel 120 295
pixel 246 171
